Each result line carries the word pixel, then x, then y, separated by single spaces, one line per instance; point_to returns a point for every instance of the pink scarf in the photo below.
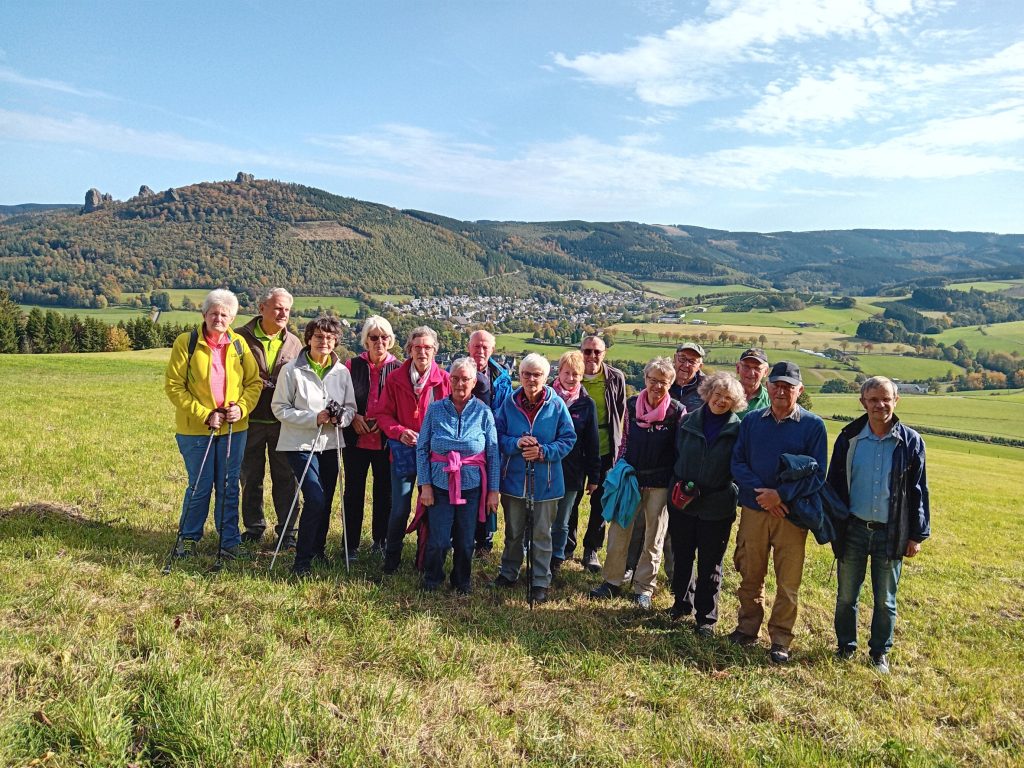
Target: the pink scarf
pixel 570 396
pixel 646 416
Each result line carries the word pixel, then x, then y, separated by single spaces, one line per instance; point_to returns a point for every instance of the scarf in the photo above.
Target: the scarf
pixel 570 396
pixel 646 415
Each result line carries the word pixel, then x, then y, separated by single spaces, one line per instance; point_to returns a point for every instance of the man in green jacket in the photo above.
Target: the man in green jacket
pixel 273 346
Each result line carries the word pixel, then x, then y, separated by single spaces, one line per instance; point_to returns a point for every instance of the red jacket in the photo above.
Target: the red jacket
pixel 398 408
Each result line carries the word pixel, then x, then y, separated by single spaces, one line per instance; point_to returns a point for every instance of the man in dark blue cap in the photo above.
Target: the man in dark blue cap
pixel 766 434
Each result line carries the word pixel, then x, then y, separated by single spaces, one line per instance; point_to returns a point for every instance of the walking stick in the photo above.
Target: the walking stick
pixel 530 483
pixel 295 499
pixel 344 527
pixel 187 506
pixel 219 562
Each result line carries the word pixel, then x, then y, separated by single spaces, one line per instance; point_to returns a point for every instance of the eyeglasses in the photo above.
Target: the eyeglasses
pixel 463 379
pixel 685 362
pixel 324 337
pixel 422 347
pixel 659 382
pixel 380 337
pixel 592 352
pixel 531 375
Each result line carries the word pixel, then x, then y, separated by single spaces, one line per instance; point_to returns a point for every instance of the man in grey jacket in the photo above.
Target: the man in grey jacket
pixel 273 346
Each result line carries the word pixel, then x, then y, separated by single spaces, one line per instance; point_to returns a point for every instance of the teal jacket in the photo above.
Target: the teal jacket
pixel 621 494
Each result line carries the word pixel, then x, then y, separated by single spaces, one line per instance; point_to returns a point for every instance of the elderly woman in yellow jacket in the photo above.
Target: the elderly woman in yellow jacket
pixel 214 383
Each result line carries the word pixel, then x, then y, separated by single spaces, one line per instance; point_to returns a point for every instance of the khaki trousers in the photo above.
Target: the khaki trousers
pixel 653 512
pixel 759 535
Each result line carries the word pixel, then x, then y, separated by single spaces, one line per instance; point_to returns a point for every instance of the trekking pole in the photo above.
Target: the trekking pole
pixel 295 499
pixel 219 562
pixel 530 482
pixel 188 504
pixel 344 527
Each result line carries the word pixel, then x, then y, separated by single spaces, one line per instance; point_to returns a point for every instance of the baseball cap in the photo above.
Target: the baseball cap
pixel 785 371
pixel 693 346
pixel 756 353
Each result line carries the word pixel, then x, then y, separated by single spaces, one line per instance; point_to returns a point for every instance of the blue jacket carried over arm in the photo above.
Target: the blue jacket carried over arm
pixel 802 487
pixel 621 495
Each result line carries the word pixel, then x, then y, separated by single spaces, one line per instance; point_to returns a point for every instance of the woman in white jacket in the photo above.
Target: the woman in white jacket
pixel 305 388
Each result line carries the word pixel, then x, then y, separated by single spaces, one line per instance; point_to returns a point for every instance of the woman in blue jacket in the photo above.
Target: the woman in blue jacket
pixel 535 433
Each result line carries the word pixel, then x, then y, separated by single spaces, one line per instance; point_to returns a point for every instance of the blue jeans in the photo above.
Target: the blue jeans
pixel 401 507
pixel 317 497
pixel 451 525
pixel 560 525
pixel 219 478
pixel 862 544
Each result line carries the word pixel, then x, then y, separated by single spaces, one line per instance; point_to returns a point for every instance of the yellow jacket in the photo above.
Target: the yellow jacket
pixel 192 398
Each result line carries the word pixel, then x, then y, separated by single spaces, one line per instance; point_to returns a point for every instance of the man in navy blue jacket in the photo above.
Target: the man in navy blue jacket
pixel 766 434
pixel 878 469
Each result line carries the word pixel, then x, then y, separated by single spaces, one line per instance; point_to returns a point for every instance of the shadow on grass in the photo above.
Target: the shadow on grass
pixel 568 624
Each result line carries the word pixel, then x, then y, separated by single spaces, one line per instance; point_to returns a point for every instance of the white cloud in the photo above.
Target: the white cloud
pixel 687 63
pixel 8 75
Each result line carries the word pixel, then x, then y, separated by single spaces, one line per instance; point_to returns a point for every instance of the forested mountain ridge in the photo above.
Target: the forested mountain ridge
pixel 251 233
pixel 245 234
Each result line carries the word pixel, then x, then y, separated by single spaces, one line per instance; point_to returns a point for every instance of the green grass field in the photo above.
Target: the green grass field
pixel 342 305
pixel 690 290
pixel 103 662
pixel 993 286
pixel 1002 337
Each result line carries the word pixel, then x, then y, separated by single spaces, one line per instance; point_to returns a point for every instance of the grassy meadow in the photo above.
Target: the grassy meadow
pixel 104 662
pixel 690 290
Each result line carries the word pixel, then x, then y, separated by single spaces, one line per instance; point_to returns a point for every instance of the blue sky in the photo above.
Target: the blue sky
pixel 737 114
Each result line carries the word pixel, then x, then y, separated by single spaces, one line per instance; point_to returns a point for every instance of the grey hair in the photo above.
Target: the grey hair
pixel 464 362
pixel 482 332
pixel 220 297
pixel 724 381
pixel 271 293
pixel 598 338
pixel 662 364
pixel 535 360
pixel 879 382
pixel 376 323
pixel 419 332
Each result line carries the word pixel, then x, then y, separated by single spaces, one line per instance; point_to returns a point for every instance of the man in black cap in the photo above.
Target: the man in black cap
pixel 687 362
pixel 751 370
pixel 766 434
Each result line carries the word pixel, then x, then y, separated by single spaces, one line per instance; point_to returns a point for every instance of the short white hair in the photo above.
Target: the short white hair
pixel 535 360
pixel 271 293
pixel 376 323
pixel 220 297
pixel 467 363
pixel 487 335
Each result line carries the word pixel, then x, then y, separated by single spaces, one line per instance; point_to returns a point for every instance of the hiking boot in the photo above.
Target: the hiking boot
pixel 236 552
pixel 643 602
pixel 627 577
pixel 845 653
pixel 677 612
pixel 288 543
pixel 539 594
pixel 556 566
pixel 502 582
pixel 779 654
pixel 742 639
pixel 353 555
pixel 252 537
pixel 605 591
pixel 377 550
pixel 590 561
pixel 880 661
pixel 185 549
pixel 705 630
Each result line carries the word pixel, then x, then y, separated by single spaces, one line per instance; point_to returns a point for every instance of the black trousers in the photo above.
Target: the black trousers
pixel 261 449
pixel 705 540
pixel 594 537
pixel 358 462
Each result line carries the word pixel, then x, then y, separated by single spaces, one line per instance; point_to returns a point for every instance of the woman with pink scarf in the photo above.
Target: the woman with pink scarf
pixel 649 446
pixel 582 467
pixel 366 446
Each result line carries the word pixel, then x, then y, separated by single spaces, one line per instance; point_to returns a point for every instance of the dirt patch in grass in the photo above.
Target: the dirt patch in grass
pixel 47 511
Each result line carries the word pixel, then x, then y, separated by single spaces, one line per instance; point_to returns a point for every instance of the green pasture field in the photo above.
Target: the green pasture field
pixel 597 285
pixel 394 298
pixel 689 290
pixel 1001 337
pixel 994 416
pixel 992 286
pixel 116 314
pixel 342 305
pixel 816 369
pixel 103 662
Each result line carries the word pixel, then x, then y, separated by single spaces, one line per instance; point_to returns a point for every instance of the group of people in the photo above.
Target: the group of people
pixel 665 469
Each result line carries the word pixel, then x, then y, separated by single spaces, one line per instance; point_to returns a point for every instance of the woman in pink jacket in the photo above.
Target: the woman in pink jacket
pixel 399 412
